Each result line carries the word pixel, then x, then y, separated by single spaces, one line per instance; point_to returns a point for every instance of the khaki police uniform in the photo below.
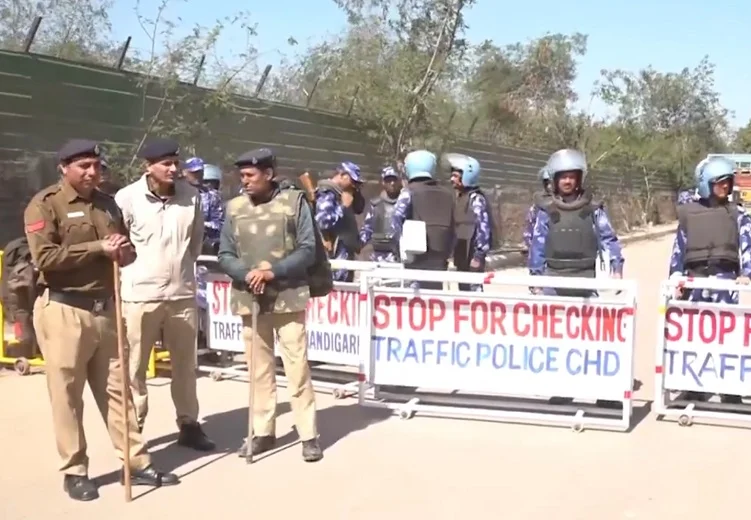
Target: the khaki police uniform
pixel 74 318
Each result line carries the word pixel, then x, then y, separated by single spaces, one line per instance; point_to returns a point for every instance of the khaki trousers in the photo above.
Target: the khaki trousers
pixel 293 346
pixel 174 323
pixel 80 346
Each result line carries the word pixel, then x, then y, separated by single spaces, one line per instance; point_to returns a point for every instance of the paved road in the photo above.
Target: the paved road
pixel 377 467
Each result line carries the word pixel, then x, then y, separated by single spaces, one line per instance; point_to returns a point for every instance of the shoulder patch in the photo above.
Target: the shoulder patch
pixel 34 227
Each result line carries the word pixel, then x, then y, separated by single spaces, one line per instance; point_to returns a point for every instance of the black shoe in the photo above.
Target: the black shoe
pixel 80 488
pixel 243 450
pixel 311 451
pixel 192 436
pixel 150 477
pixel 731 399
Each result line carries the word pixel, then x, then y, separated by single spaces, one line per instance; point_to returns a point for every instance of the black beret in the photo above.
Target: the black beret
pixel 155 149
pixel 262 157
pixel 77 148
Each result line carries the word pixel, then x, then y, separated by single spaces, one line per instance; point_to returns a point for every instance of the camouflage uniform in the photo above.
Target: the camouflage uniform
pixel 481 238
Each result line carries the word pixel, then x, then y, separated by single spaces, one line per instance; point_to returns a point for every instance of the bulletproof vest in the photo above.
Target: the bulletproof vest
pixel 346 229
pixel 433 204
pixel 267 233
pixel 572 243
pixel 383 231
pixel 711 232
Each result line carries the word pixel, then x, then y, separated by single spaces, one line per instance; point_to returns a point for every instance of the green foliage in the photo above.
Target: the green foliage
pixel 406 71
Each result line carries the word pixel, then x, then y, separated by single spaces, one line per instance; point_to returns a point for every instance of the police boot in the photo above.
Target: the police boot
pixel 192 436
pixel 311 451
pixel 150 476
pixel 80 488
pixel 260 445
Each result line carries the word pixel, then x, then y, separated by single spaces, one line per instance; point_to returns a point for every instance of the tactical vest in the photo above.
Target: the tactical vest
pixel 383 231
pixel 433 204
pixel 711 233
pixel 266 233
pixel 346 229
pixel 572 244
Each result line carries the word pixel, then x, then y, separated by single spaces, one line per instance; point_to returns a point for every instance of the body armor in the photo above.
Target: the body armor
pixel 267 233
pixel 712 236
pixel 572 244
pixel 383 230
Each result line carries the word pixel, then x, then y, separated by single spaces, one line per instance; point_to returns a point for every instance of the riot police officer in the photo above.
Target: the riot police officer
pixel 425 200
pixel 571 228
pixel 713 240
pixel 376 228
pixel 472 217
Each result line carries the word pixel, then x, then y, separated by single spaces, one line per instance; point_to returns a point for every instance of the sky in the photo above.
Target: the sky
pixel 630 35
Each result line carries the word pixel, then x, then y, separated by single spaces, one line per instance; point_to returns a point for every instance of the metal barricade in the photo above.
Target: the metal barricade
pixel 333 325
pixel 492 356
pixel 702 354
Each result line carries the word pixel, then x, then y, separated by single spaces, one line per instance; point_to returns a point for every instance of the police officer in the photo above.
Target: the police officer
pixel 529 223
pixel 571 228
pixel 472 216
pixel 376 228
pixel 268 245
pixel 163 215
pixel 713 240
pixel 335 215
pixel 425 200
pixel 203 176
pixel 75 232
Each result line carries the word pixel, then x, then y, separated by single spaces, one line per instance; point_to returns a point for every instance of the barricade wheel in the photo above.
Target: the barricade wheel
pixel 22 366
pixel 685 420
pixel 405 414
pixel 216 375
pixel 338 393
pixel 577 428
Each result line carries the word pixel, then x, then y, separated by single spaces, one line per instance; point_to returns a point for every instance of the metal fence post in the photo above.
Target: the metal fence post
pixel 123 52
pixel 312 91
pixel 262 81
pixel 199 70
pixel 29 40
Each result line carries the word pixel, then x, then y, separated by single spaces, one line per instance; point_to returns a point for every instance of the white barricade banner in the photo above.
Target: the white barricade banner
pixel 332 323
pixel 501 345
pixel 225 329
pixel 707 348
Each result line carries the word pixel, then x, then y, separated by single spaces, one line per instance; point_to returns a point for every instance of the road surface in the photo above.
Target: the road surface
pixel 379 467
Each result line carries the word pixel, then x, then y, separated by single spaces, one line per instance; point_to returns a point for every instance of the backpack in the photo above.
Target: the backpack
pixel 320 275
pixel 18 289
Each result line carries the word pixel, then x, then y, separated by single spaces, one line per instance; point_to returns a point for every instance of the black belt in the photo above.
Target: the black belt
pixel 81 301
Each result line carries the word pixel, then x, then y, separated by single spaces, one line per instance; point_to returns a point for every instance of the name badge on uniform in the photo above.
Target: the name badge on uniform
pixel 75 214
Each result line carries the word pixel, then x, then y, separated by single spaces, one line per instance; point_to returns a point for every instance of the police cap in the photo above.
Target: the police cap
pixel 261 158
pixel 77 148
pixel 159 148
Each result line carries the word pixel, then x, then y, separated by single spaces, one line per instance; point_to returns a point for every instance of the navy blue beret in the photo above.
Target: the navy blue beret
pixel 155 149
pixel 77 148
pixel 262 158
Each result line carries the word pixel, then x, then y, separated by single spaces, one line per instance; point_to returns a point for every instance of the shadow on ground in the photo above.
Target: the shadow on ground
pixel 228 429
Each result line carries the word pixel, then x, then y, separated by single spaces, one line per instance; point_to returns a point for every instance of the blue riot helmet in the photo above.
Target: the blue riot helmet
pixel 419 164
pixel 471 173
pixel 567 160
pixel 544 174
pixel 699 166
pixel 714 170
pixel 212 173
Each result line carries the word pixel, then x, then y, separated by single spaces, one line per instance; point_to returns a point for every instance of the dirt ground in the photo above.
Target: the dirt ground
pixel 377 466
